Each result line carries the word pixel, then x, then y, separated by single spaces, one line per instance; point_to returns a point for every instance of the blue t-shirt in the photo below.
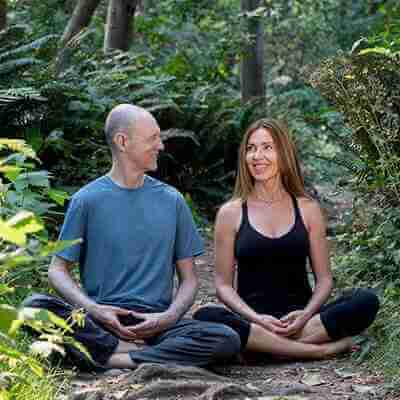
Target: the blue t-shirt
pixel 131 241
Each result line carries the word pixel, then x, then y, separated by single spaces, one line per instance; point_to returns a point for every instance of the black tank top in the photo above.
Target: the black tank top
pixel 272 274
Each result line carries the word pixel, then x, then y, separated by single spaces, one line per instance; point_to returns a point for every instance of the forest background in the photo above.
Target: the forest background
pixel 205 69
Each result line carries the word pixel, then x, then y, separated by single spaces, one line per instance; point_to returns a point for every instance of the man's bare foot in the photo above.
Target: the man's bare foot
pixel 120 360
pixel 124 347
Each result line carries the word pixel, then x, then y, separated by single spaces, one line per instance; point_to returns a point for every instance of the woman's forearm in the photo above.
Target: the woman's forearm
pixel 321 293
pixel 227 295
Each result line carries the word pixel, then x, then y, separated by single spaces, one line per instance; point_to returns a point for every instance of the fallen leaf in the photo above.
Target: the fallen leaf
pixel 136 386
pixel 363 389
pixel 120 394
pixel 252 387
pixel 312 379
pixel 345 372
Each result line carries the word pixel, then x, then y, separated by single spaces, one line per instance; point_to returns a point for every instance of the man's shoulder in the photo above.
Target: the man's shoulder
pixel 92 190
pixel 163 188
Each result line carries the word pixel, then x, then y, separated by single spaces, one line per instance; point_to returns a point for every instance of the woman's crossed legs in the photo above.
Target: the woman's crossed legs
pixel 325 334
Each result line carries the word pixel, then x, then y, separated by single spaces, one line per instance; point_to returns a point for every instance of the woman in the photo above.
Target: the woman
pixel 269 229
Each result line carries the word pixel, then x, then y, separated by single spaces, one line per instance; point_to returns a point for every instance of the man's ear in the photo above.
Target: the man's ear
pixel 120 140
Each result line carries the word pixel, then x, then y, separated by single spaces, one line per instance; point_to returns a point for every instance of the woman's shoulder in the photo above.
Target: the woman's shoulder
pixel 231 207
pixel 310 209
pixel 307 202
pixel 230 211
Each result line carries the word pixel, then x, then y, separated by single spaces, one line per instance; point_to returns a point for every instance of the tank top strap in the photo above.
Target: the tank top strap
pixel 245 217
pixel 296 208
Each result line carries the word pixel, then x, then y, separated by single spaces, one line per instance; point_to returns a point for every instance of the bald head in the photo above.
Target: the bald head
pixel 123 118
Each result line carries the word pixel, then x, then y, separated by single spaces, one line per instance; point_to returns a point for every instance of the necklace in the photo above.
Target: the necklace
pixel 268 202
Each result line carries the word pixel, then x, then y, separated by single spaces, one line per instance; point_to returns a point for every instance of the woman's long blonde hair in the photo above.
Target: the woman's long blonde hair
pixel 288 163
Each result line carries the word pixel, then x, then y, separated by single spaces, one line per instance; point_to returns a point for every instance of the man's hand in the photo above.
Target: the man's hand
pixel 272 324
pixel 295 322
pixel 153 324
pixel 109 317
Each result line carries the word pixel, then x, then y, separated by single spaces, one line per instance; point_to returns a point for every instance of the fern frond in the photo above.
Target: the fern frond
pixel 360 171
pixel 35 45
pixel 26 91
pixel 19 146
pixel 10 66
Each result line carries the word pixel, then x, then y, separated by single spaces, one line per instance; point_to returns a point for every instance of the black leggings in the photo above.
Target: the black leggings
pixel 347 316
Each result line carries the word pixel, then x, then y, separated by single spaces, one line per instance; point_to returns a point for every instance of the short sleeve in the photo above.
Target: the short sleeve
pixel 188 241
pixel 73 228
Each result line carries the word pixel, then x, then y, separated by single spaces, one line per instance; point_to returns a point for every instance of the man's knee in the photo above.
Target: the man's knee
pixel 228 342
pixel 49 303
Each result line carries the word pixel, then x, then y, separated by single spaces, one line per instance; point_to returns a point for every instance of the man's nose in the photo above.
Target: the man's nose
pixel 161 146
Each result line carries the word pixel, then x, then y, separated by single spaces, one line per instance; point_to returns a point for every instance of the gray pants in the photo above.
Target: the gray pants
pixel 188 342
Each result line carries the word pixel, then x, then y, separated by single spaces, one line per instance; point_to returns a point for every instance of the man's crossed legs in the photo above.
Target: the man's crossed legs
pixel 188 342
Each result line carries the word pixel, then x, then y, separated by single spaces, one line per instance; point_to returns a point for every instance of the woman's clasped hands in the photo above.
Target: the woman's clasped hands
pixel 287 326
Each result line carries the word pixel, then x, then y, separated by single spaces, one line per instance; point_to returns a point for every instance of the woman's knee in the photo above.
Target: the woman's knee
pixel 352 316
pixel 367 301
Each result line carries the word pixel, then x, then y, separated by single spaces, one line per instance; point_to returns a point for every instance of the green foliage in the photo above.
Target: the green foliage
pixel 368 255
pixel 184 66
pixel 312 31
pixel 23 248
pixel 371 246
pixel 365 87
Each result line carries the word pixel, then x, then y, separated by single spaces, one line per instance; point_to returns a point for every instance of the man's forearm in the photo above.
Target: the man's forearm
pixel 184 299
pixel 60 279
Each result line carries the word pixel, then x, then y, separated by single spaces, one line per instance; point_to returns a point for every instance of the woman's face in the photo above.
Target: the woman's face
pixel 262 155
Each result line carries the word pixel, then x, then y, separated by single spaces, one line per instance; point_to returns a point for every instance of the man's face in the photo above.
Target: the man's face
pixel 144 144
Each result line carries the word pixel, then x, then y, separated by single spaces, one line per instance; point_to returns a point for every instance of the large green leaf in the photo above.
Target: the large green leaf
pixel 55 247
pixel 11 172
pixel 26 221
pixel 11 234
pixel 7 315
pixel 19 146
pixel 4 289
pixel 35 178
pixel 39 314
pixel 59 196
pixel 12 261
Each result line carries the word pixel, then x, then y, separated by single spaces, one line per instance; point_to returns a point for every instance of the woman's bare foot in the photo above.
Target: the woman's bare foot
pixel 340 346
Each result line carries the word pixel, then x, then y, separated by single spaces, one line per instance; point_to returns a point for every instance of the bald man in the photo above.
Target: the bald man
pixel 137 232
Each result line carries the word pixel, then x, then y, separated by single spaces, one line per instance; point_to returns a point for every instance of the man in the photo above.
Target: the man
pixel 136 232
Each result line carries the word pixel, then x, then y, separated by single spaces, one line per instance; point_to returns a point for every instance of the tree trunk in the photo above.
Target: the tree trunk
pixel 80 19
pixel 252 69
pixel 3 14
pixel 119 24
pixel 148 4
